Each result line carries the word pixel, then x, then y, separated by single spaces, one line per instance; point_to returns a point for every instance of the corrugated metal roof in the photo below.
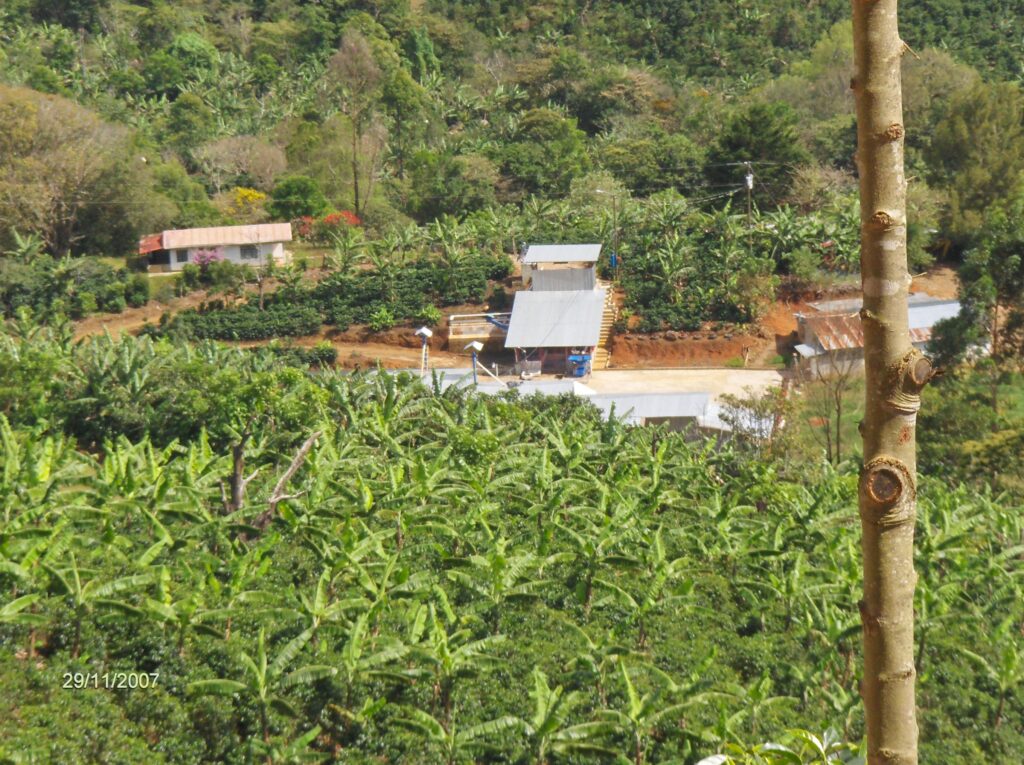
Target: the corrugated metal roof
pixel 852 305
pixel 836 332
pixel 489 386
pixel 218 236
pixel 556 319
pixel 553 387
pixel 562 253
pixel 927 315
pixel 843 331
pixel 563 280
pixel 637 407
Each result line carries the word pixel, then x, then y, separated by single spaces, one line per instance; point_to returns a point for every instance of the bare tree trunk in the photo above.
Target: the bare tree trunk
pixel 356 135
pixel 895 374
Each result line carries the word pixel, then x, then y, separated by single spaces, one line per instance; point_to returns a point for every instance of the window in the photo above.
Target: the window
pixel 250 252
pixel 181 256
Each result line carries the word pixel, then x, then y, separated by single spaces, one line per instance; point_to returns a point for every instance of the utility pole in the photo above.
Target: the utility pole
pixel 749 182
pixel 895 373
pixel 615 237
pixel 615 231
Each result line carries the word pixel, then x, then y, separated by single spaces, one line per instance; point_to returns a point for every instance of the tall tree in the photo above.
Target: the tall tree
pixel 359 78
pixel 895 374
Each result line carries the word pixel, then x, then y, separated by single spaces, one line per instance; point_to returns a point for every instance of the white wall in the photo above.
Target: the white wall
pixel 233 253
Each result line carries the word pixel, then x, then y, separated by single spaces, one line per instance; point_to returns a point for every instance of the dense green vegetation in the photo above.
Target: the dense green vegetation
pixel 320 565
pixel 380 114
pixel 359 568
pixel 66 287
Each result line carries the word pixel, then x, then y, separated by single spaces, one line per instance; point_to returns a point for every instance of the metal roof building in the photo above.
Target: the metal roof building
pixel 638 408
pixel 216 236
pixel 832 338
pixel 852 305
pixel 561 253
pixel 844 331
pixel 556 319
pixel 254 245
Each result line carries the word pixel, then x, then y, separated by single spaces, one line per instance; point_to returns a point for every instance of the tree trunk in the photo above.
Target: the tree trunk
pixel 839 424
pixel 355 168
pixel 895 373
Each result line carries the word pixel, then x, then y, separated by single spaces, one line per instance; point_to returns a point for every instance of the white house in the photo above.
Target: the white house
pixel 254 245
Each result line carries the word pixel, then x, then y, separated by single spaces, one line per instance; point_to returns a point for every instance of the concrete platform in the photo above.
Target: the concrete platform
pixel 736 382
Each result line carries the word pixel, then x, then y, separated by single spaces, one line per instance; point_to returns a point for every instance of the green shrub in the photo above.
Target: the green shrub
pixel 430 315
pixel 381 319
pixel 136 291
pixel 247 323
pixel 84 304
pixel 191 277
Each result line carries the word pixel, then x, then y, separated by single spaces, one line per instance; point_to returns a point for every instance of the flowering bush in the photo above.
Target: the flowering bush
pixel 320 229
pixel 204 258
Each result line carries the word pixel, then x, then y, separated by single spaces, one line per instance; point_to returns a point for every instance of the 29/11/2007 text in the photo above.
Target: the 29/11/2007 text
pixel 109 680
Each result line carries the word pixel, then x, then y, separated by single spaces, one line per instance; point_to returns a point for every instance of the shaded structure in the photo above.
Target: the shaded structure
pixel 549 328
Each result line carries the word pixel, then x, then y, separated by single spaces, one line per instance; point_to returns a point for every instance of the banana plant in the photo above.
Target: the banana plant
pixel 14 612
pixel 361 659
pixel 1005 671
pixel 95 593
pixel 449 656
pixel 457 745
pixel 185 614
pixel 292 752
pixel 754 699
pixel 264 680
pixel 660 586
pixel 596 555
pixel 598 658
pixel 642 714
pixel 547 729
pixel 322 608
pixel 498 579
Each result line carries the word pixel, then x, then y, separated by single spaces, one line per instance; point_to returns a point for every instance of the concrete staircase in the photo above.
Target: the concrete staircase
pixel 602 356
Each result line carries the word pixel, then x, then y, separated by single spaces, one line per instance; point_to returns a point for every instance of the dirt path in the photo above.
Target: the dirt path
pixel 940 282
pixel 131 320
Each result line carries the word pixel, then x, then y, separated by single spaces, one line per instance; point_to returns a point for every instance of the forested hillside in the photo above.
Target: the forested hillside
pixel 190 113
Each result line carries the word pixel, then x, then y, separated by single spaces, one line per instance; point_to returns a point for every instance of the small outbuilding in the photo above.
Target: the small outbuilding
pixel 255 245
pixel 560 329
pixel 560 267
pixel 832 337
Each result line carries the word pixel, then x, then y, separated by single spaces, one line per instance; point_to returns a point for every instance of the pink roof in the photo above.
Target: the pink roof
pixel 218 236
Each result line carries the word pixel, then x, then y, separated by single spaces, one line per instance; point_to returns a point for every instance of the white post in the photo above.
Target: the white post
pixel 425 334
